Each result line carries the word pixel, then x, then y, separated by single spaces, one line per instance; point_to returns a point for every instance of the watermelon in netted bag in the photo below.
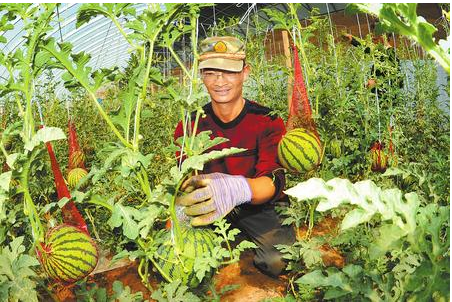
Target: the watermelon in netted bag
pixel 299 150
pixel 68 254
pixel 378 157
pixel 180 265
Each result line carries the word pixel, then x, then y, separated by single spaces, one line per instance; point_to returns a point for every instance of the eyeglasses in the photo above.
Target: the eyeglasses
pixel 210 76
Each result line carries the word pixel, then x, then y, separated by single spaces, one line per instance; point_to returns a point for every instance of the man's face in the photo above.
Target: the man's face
pixel 224 86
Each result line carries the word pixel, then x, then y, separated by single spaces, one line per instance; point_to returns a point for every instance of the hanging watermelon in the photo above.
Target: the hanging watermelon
pixel 299 150
pixel 75 175
pixel 378 157
pixel 76 165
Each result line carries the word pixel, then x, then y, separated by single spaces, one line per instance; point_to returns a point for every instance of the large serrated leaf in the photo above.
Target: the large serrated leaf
pixel 125 216
pixel 45 135
pixel 197 162
pixel 369 200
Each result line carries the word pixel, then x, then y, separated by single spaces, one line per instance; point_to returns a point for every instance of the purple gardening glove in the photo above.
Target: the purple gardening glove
pixel 211 196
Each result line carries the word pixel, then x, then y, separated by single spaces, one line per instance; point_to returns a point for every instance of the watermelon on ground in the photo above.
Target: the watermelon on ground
pixel 180 266
pixel 68 254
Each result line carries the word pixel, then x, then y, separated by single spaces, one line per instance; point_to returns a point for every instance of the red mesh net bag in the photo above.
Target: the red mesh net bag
pixel 71 215
pixel 76 156
pixel 300 114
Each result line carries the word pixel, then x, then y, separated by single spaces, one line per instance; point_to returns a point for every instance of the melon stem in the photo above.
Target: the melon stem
pixel 174 221
pixel 29 206
pixel 155 264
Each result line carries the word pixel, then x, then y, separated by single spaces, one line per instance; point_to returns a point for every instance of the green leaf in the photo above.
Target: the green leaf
pixel 197 162
pixel 3 213
pixel 401 18
pixel 124 215
pixel 5 179
pixel 352 270
pixel 45 135
pixel 355 217
pixel 150 215
pixel 124 294
pixel 16 275
pixel 174 292
pixel 11 159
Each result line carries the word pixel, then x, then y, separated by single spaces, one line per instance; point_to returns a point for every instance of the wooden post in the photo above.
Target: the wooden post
pixel 286 48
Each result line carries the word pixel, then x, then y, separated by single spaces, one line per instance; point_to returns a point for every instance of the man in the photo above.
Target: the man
pixel 246 186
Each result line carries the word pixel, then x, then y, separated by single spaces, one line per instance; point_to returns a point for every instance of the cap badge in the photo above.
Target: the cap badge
pixel 220 47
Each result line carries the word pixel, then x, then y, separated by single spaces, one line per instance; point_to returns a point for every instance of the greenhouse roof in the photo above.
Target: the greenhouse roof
pixel 102 40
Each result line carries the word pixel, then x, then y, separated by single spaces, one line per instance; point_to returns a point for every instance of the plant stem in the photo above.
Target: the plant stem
pixel 19 105
pixel 101 203
pixel 194 80
pixel 123 33
pixel 2 148
pixel 311 220
pixel 144 181
pixel 107 118
pixel 29 206
pixel 164 275
pixel 136 132
pixel 195 129
pixel 178 61
pixel 174 220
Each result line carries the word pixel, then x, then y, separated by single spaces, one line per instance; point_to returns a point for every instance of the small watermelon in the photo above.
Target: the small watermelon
pixel 299 150
pixel 196 241
pixel 336 148
pixel 75 175
pixel 408 181
pixel 68 254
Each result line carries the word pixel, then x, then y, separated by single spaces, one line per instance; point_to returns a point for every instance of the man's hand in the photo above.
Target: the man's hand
pixel 211 196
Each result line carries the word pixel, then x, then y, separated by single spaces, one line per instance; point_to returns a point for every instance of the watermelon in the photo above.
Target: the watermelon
pixel 196 241
pixel 299 150
pixel 68 254
pixel 336 148
pixel 74 176
pixel 378 157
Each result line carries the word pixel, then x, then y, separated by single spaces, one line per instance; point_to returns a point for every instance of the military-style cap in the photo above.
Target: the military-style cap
pixel 226 53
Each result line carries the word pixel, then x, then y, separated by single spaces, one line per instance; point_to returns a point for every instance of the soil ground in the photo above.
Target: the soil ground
pixel 253 286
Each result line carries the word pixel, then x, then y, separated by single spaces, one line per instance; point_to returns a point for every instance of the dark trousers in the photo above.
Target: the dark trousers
pixel 263 226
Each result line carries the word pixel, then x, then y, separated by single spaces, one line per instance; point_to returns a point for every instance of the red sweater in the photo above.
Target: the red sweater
pixel 253 129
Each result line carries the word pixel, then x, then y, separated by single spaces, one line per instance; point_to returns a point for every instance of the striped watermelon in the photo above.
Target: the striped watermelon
pixel 335 148
pixel 74 176
pixel 299 150
pixel 196 241
pixel 69 254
